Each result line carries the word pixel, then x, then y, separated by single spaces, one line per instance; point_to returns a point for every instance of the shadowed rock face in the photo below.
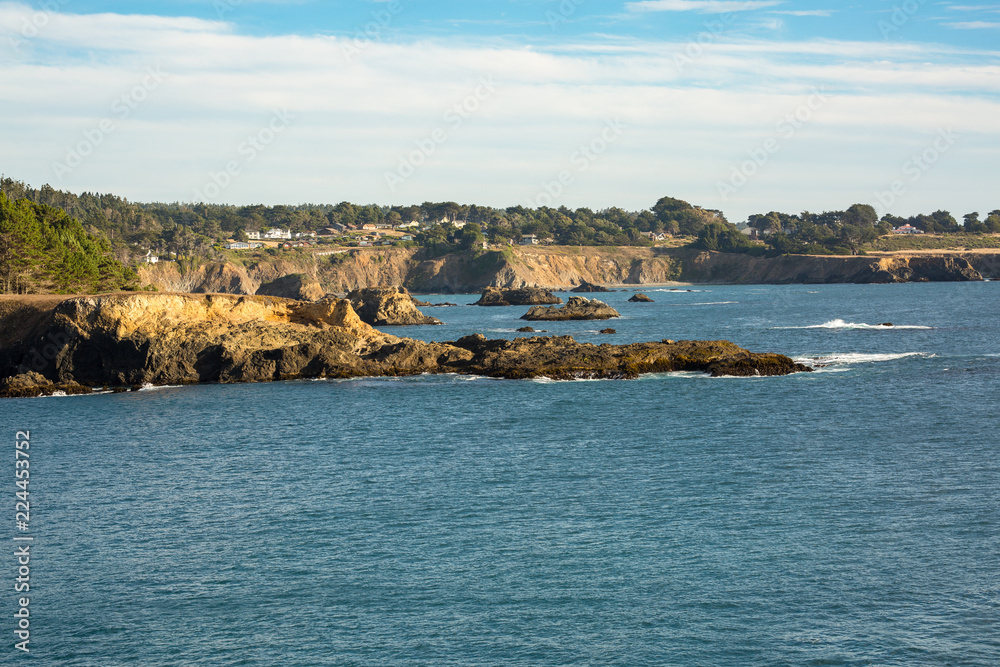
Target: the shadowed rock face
pixel 525 296
pixel 577 308
pixel 168 339
pixel 387 306
pixel 640 298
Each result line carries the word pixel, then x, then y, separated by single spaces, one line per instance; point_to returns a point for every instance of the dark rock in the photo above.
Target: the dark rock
pixel 589 287
pixel 886 324
pixel 640 298
pixel 577 308
pixel 387 306
pixel 526 330
pixel 608 331
pixel 296 286
pixel 525 296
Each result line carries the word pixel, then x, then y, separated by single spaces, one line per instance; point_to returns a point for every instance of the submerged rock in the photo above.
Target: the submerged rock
pixel 387 306
pixel 640 298
pixel 525 296
pixel 609 330
pixel 577 308
pixel 589 287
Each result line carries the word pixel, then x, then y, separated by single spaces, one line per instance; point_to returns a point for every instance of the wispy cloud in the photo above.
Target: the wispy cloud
pixel 974 25
pixel 702 6
pixel 806 12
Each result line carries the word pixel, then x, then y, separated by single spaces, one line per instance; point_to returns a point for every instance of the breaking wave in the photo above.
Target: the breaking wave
pixel 850 358
pixel 841 324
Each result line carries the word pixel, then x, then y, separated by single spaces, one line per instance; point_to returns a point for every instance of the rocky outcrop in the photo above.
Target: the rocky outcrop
pixel 129 340
pixel 577 308
pixel 563 358
pixel 387 306
pixel 640 298
pixel 524 296
pixel 296 286
pixel 586 287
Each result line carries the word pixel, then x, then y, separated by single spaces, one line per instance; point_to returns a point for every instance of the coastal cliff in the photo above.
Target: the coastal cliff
pixel 555 267
pixel 50 344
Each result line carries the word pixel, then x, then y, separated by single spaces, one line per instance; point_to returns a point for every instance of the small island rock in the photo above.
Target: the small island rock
pixel 640 298
pixel 577 308
pixel 525 296
pixel 589 287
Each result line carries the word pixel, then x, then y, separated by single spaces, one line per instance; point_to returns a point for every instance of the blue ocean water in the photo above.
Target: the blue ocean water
pixel 843 517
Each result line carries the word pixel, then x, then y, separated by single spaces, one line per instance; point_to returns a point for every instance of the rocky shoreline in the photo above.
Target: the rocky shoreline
pixel 81 344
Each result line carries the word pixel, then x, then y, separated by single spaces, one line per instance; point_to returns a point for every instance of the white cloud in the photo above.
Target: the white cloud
pixel 702 6
pixel 806 12
pixel 687 122
pixel 974 25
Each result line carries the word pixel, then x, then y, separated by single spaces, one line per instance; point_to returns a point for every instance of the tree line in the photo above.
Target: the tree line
pixel 43 249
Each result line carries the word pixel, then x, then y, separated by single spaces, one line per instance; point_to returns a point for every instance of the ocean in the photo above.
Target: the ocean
pixel 843 517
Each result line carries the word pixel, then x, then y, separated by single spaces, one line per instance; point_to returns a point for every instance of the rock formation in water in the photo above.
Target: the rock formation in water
pixel 524 296
pixel 72 345
pixel 577 308
pixel 585 287
pixel 387 306
pixel 640 298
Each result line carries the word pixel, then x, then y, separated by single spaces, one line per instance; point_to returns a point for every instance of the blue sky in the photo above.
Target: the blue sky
pixel 745 106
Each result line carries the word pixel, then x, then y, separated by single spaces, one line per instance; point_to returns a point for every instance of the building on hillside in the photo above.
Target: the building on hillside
pixel 529 239
pixel 253 236
pixel 907 229
pixel 278 234
pixel 237 245
pixel 150 258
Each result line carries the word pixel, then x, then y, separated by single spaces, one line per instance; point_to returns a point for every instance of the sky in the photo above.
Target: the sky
pixel 745 106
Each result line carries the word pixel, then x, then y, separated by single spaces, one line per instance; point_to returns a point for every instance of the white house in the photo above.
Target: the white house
pixel 277 233
pixel 529 239
pixel 408 225
pixel 150 258
pixel 907 229
pixel 237 245
pixel 253 236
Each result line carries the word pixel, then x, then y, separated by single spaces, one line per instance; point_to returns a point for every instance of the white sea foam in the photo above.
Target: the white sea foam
pixel 707 303
pixel 149 386
pixel 850 358
pixel 841 324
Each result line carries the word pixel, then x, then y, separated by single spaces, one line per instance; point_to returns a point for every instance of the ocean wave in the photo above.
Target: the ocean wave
pixel 706 303
pixel 849 358
pixel 149 386
pixel 841 324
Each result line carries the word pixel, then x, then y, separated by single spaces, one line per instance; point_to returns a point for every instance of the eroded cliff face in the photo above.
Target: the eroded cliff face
pixel 167 339
pixel 564 267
